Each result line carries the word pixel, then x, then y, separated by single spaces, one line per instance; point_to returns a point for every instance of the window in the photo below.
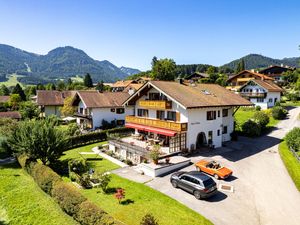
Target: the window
pixel 260 100
pixel 225 112
pixel 270 99
pixel 211 115
pixel 218 132
pixel 160 114
pixel 224 130
pixel 153 96
pixel 81 110
pixel 186 178
pixel 210 137
pixel 218 113
pixel 143 112
pixel 112 110
pixel 120 110
pixel 171 115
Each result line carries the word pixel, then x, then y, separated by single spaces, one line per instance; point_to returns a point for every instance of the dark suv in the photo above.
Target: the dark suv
pixel 197 183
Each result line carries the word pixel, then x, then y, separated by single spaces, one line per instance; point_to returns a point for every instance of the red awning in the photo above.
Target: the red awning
pixel 155 130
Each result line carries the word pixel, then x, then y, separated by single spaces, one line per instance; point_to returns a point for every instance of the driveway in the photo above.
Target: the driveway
pixel 263 190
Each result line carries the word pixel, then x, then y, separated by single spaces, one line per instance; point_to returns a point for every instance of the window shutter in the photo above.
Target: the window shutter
pixel 177 116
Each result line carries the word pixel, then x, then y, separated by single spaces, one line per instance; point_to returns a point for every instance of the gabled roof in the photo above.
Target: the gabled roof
pixel 54 98
pixel 122 83
pixel 193 96
pixel 265 71
pixel 133 86
pixel 197 75
pixel 266 84
pixel 261 76
pixel 96 99
pixel 4 98
pixel 11 114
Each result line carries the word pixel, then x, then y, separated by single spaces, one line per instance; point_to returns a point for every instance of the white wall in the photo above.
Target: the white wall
pixel 52 110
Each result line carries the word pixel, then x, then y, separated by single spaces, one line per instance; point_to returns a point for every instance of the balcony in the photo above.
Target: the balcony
pixel 84 116
pixel 155 104
pixel 253 94
pixel 157 123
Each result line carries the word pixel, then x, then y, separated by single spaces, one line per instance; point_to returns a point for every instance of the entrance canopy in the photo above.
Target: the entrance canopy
pixel 155 130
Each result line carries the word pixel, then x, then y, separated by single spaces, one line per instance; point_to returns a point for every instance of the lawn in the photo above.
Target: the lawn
pixel 23 202
pixel 291 163
pixel 12 80
pixel 291 103
pixel 140 199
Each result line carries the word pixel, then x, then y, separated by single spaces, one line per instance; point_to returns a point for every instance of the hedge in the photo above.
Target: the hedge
pixel 65 194
pixel 94 137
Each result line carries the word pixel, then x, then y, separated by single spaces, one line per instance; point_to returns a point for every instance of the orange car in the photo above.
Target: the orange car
pixel 213 168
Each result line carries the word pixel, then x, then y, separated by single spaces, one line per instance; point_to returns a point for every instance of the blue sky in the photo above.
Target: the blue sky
pixel 131 32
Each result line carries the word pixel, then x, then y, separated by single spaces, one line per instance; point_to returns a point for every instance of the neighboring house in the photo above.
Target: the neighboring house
pixel 238 80
pixel 50 102
pixel 121 85
pixel 11 114
pixel 132 88
pixel 178 117
pixel 95 106
pixel 4 99
pixel 143 80
pixel 263 93
pixel 276 71
pixel 196 76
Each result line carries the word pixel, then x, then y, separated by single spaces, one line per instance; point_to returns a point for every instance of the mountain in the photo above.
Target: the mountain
pixel 59 63
pixel 255 61
pixel 129 71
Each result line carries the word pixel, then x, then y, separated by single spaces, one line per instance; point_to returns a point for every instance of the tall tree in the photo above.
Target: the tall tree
pixel 18 90
pixel 40 87
pixel 164 69
pixel 154 60
pixel 87 80
pixel 4 90
pixel 67 109
pixel 100 86
pixel 240 66
pixel 61 85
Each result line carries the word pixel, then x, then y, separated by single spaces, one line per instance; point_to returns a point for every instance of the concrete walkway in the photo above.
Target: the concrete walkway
pixel 97 151
pixel 264 193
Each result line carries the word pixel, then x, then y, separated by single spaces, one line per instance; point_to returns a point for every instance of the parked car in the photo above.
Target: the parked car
pixel 197 183
pixel 213 168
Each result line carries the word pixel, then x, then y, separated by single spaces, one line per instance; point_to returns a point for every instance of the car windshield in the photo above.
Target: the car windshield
pixel 208 182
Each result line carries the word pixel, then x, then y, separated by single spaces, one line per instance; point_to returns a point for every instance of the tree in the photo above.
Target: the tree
pixel 4 91
pixel 104 179
pixel 29 110
pixel 149 219
pixel 154 61
pixel 40 87
pixel 50 86
pixel 14 101
pixel 100 86
pixel 39 139
pixel 61 85
pixel 67 109
pixel 240 66
pixel 164 69
pixel 18 90
pixel 212 70
pixel 87 80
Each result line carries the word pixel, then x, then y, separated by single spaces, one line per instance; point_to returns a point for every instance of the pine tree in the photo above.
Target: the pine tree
pixel 87 81
pixel 18 90
pixel 4 91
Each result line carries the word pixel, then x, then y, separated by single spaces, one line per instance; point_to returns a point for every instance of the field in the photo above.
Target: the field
pixel 140 199
pixel 23 202
pixel 77 79
pixel 12 81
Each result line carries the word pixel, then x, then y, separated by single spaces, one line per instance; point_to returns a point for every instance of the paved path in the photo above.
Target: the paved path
pixel 264 192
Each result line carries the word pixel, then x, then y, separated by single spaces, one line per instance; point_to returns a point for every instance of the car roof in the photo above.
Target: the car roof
pixel 198 175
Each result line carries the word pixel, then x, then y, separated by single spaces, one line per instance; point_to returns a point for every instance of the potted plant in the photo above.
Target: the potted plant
pixel 154 154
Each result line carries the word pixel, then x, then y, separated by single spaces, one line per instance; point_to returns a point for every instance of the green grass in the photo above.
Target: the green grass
pixel 141 198
pixel 291 163
pixel 23 202
pixel 95 161
pixel 77 79
pixel 291 103
pixel 12 80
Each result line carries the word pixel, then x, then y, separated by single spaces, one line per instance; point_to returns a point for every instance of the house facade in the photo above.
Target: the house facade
pixel 50 102
pixel 261 93
pixel 276 72
pixel 240 79
pixel 178 117
pixel 93 107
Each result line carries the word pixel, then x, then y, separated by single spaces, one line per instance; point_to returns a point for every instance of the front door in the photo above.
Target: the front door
pixel 201 140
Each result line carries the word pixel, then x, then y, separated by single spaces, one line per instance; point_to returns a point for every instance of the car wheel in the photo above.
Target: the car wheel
pixel 216 176
pixel 197 195
pixel 174 184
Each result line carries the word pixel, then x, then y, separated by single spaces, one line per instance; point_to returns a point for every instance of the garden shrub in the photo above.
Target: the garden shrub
pixel 85 181
pixel 67 197
pixel 257 108
pixel 103 180
pixel 77 165
pixel 90 214
pixel 23 159
pixel 74 176
pixel 293 139
pixel 251 128
pixel 262 118
pixel 279 113
pixel 149 219
pixel 277 104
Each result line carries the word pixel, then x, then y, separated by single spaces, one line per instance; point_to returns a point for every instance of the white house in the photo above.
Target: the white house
pixel 50 102
pixel 93 107
pixel 178 117
pixel 263 93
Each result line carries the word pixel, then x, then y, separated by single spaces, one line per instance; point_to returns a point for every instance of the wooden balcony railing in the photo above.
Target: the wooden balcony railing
pixel 155 104
pixel 157 123
pixel 253 94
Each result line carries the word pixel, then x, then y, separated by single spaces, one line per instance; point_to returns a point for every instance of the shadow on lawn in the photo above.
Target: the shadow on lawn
pixel 127 202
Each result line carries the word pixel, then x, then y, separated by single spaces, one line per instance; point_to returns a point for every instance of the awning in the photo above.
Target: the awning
pixel 155 130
